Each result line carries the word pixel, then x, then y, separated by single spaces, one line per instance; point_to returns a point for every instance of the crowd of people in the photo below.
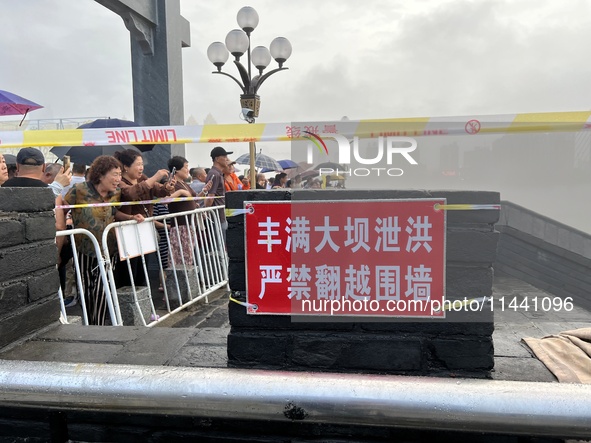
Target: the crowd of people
pixel 121 178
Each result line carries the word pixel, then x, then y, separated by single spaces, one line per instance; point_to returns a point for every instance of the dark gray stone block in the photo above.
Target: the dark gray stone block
pixel 12 233
pixel 39 226
pixel 470 282
pixel 471 246
pixel 28 319
pixel 22 260
pixel 465 354
pixel 358 352
pixel 44 283
pixel 236 275
pixel 187 291
pixel 257 350
pixel 26 199
pixel 13 295
pixel 130 314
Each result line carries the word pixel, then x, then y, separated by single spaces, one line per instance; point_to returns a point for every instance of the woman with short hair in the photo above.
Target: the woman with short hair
pixel 104 177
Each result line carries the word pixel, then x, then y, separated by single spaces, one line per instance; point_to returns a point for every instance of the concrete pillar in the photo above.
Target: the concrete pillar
pixel 158 33
pixel 460 345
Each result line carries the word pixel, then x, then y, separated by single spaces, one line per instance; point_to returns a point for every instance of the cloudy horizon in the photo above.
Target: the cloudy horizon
pixel 364 60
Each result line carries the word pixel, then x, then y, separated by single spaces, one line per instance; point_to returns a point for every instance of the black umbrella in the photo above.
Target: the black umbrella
pixel 108 123
pixel 115 123
pixel 86 154
pixel 309 174
pixel 10 159
pixel 330 165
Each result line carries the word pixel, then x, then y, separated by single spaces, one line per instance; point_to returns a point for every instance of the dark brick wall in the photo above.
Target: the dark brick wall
pixel 528 251
pixel 459 346
pixel 28 276
pixel 545 266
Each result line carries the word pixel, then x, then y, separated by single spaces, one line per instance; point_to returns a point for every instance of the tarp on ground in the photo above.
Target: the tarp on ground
pixel 567 355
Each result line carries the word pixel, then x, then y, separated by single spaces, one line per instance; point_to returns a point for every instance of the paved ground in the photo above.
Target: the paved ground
pixel 197 337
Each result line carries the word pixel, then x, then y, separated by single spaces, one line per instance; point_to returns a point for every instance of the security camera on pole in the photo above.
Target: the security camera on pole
pixel 237 43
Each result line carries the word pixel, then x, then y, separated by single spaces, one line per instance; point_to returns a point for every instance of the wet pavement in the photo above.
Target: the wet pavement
pixel 197 336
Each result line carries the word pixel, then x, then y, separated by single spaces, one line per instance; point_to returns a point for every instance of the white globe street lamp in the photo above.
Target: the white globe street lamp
pixel 237 43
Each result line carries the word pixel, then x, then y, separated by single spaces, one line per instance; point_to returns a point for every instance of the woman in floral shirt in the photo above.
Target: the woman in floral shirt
pixel 102 186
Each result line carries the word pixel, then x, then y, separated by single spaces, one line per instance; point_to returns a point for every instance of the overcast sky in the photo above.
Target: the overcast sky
pixel 361 59
pixel 372 59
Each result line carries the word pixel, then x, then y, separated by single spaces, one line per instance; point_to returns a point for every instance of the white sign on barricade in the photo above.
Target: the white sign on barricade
pixel 136 239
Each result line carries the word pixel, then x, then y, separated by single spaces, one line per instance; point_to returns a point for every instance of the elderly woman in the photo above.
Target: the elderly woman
pixel 135 186
pixel 180 234
pixel 3 170
pixel 102 186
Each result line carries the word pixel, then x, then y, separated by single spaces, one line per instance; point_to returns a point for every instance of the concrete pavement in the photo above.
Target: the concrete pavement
pixel 197 337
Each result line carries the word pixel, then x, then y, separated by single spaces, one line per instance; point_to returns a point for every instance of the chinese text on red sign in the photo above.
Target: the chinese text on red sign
pixel 380 258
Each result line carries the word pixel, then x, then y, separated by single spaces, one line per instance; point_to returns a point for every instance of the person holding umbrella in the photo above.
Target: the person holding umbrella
pixel 136 186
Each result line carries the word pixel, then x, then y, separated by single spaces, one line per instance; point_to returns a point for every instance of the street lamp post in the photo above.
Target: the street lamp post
pixel 238 43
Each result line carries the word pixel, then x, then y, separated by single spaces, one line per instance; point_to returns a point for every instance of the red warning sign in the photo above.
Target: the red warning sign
pixel 472 127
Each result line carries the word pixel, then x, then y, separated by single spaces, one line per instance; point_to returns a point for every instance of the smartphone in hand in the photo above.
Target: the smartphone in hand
pixel 172 174
pixel 66 162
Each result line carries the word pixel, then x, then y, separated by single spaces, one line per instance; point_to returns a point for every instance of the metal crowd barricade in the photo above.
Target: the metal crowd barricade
pixel 79 286
pixel 183 283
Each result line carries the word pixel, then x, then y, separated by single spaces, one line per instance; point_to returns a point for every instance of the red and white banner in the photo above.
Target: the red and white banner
pixel 347 257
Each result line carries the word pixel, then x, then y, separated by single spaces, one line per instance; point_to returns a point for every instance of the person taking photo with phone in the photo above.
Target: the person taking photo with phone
pixel 136 186
pixel 180 239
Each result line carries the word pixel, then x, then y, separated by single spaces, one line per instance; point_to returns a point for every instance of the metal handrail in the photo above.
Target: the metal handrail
pixel 470 405
pixel 102 269
pixel 223 274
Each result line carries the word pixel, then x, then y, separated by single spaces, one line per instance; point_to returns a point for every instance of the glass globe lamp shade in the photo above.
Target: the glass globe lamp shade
pixel 217 54
pixel 248 19
pixel 280 50
pixel 260 57
pixel 237 42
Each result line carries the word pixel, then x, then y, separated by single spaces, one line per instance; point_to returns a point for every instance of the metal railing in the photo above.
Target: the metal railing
pixel 468 405
pixel 71 233
pixel 198 265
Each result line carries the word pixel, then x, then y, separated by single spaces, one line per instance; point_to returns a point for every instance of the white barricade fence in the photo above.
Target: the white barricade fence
pixel 197 264
pixel 189 254
pixel 79 287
